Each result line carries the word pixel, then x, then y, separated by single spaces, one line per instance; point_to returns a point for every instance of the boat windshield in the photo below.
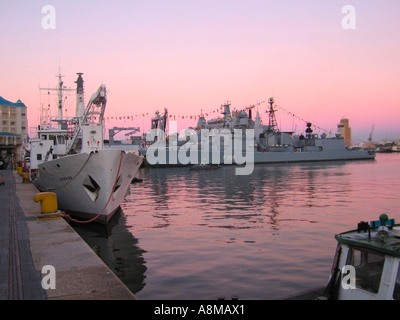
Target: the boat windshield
pixel 368 266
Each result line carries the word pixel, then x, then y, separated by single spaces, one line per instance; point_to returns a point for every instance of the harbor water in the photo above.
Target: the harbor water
pixel 197 235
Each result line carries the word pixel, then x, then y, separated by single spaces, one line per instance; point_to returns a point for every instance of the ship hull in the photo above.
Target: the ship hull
pixel 278 156
pixel 309 156
pixel 89 185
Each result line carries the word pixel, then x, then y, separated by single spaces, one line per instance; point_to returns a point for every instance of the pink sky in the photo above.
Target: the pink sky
pixel 190 56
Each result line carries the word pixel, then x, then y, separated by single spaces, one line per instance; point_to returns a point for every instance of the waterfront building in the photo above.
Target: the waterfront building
pixel 13 128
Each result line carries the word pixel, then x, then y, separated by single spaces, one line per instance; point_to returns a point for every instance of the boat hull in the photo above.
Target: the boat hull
pixel 259 157
pixel 308 156
pixel 89 185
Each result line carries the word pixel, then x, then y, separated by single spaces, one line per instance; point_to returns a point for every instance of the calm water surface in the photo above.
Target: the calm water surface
pixel 186 234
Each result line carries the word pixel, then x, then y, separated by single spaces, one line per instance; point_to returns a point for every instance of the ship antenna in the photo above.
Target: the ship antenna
pixel 59 89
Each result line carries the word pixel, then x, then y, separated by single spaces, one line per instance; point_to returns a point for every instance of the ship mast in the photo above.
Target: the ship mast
pixel 160 122
pixel 60 88
pixel 272 124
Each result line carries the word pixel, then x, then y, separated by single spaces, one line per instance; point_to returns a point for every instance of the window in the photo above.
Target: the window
pixel 368 266
pixel 61 139
pixel 54 138
pixel 39 156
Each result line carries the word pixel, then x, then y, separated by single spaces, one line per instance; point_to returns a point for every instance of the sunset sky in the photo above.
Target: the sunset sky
pixel 189 56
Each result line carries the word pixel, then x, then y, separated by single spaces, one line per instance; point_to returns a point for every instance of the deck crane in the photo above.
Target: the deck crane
pixel 115 130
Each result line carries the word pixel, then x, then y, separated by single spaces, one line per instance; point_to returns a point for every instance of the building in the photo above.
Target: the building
pixel 345 131
pixel 13 128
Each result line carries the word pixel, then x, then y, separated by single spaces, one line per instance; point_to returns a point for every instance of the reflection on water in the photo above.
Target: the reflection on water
pixel 225 200
pixel 116 246
pixel 207 234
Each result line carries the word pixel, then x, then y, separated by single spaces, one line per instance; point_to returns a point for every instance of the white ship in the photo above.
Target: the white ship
pixel 236 138
pixel 70 160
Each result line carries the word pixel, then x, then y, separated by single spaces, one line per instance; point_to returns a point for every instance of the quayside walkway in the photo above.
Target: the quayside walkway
pixel 29 244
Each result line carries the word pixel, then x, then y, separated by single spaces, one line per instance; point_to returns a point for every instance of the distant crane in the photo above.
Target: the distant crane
pixel 370 143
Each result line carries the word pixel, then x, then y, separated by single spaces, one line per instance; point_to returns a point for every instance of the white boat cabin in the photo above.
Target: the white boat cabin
pixel 366 264
pixel 49 144
pixel 53 143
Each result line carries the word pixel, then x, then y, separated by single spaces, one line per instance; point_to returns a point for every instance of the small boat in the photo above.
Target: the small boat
pixel 366 264
pixel 206 166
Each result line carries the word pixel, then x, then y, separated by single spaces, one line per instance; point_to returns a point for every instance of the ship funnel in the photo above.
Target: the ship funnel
pixel 79 96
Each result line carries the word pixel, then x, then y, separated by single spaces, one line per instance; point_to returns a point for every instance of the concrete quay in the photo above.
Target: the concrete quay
pixel 28 245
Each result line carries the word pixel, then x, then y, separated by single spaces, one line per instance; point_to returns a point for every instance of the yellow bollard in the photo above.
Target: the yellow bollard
pixel 25 177
pixel 19 169
pixel 48 202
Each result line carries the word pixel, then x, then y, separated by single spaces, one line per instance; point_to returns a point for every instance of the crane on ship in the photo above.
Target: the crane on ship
pixel 115 130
